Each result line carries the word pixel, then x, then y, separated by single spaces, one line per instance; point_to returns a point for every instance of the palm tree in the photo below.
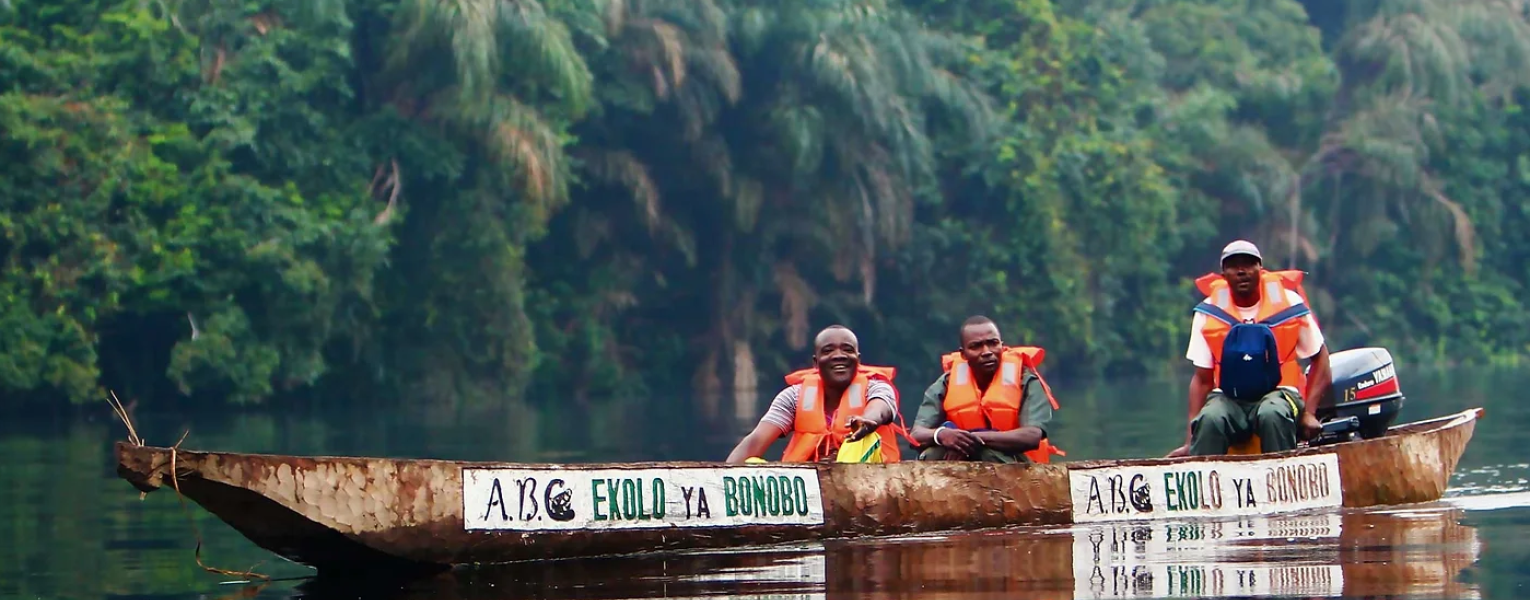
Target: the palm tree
pixel 503 58
pixel 225 26
pixel 1240 76
pixel 1402 62
pixel 1364 173
pixel 499 82
pixel 799 131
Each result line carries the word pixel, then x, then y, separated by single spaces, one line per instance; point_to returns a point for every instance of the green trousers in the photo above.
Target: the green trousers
pixel 985 454
pixel 1224 421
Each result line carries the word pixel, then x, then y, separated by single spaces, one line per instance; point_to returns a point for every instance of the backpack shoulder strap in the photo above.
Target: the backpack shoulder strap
pixel 1295 311
pixel 1216 312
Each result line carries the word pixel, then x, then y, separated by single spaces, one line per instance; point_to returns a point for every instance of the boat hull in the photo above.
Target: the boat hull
pixel 399 515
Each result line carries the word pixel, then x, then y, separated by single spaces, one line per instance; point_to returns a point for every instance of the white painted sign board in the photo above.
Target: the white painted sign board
pixel 1206 489
pixel 558 499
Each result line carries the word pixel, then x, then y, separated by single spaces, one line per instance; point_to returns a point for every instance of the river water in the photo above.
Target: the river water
pixel 69 528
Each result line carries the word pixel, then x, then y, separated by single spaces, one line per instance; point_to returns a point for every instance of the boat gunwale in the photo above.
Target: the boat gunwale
pixel 1414 428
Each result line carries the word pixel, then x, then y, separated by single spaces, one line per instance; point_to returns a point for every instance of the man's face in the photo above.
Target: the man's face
pixel 837 357
pixel 981 347
pixel 1242 274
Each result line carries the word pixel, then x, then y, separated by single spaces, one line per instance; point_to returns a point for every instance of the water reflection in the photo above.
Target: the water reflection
pixel 1413 552
pixel 73 529
pixel 1327 555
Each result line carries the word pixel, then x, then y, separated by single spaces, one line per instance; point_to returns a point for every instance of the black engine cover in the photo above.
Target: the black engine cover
pixel 1365 387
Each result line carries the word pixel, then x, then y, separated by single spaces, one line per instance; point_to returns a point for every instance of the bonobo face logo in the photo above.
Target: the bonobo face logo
pixel 1142 578
pixel 1140 498
pixel 560 504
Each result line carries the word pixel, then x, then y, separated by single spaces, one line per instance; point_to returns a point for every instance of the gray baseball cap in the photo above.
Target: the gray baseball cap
pixel 1241 247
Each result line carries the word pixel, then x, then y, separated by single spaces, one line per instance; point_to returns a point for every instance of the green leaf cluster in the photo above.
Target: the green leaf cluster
pixel 469 201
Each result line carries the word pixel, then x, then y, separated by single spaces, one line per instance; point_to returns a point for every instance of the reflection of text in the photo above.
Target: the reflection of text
pixel 1234 581
pixel 1137 560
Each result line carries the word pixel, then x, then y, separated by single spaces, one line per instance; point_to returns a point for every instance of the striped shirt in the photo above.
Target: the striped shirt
pixel 783 410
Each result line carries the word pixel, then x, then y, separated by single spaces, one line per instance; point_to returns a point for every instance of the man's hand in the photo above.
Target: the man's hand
pixel 1021 439
pixel 1180 451
pixel 860 427
pixel 959 440
pixel 954 455
pixel 1310 426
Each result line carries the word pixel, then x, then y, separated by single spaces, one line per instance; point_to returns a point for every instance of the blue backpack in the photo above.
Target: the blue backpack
pixel 1250 355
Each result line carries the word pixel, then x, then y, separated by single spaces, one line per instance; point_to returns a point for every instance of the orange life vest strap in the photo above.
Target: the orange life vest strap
pixel 1031 357
pixel 897 425
pixel 1047 389
pixel 1290 278
pixel 897 422
pixel 1043 452
pixel 888 373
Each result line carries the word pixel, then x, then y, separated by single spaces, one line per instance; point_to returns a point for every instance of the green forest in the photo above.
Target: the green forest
pixel 463 201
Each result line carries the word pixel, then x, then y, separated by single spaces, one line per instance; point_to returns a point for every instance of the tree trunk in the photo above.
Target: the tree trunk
pixel 707 385
pixel 746 394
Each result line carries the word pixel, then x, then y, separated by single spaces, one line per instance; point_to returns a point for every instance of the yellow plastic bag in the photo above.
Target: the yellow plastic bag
pixel 754 460
pixel 865 450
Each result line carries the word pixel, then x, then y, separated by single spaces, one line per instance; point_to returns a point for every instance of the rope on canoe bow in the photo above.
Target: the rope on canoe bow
pixel 175 483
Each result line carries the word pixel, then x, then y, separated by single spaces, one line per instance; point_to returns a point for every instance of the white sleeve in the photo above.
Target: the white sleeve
pixel 1198 352
pixel 1310 341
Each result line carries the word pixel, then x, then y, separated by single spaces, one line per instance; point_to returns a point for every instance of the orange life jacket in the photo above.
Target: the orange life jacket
pixel 998 407
pixel 1272 286
pixel 812 437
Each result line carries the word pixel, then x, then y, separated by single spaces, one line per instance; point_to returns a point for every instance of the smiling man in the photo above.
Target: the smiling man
pixel 1246 341
pixel 836 400
pixel 990 404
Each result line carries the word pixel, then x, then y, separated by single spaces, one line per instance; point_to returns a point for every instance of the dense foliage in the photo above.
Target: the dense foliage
pixel 468 200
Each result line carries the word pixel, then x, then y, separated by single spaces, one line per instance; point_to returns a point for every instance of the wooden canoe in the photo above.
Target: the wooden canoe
pixel 401 515
pixel 1350 554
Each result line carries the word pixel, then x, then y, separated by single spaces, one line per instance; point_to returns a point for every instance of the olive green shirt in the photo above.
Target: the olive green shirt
pixel 1035 409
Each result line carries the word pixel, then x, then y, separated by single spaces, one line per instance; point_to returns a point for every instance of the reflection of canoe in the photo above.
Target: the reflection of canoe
pixel 1354 554
pixel 1350 555
pixel 332 512
pixel 795 573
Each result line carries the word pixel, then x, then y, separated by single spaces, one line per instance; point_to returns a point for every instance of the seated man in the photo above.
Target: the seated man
pixel 1259 396
pixel 968 415
pixel 858 400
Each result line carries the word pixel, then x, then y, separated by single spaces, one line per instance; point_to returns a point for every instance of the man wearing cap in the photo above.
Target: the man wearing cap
pixel 1244 292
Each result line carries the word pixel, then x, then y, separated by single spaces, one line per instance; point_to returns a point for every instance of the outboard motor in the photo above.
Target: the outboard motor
pixel 1365 398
